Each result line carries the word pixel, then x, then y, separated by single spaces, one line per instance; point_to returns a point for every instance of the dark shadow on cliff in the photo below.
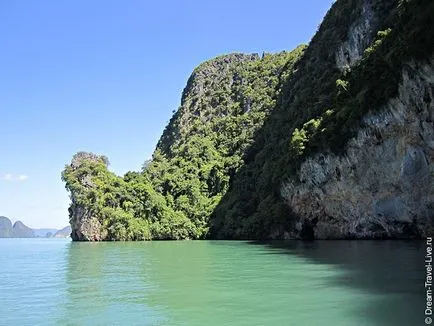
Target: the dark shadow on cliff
pixel 253 208
pixel 392 271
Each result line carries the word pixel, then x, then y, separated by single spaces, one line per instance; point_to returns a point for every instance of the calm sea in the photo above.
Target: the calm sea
pixel 206 283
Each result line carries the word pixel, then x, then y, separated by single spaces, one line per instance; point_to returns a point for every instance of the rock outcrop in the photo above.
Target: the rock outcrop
pixel 22 231
pixel 84 225
pixel 63 233
pixel 6 230
pixel 18 230
pixel 383 186
pixel 359 37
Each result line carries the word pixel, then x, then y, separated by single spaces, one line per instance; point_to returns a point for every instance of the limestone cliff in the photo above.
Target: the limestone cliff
pixel 17 230
pixel 359 36
pixel 22 231
pixel 85 226
pixel 383 186
pixel 6 230
pixel 349 143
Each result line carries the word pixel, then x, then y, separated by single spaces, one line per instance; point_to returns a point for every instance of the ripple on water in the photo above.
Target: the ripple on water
pixel 56 282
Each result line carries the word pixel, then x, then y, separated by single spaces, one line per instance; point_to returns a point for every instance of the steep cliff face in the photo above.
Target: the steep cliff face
pixel 359 37
pixel 348 142
pixel 212 84
pixel 85 224
pixel 383 186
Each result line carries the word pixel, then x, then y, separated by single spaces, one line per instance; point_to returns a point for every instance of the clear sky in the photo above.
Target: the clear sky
pixel 105 75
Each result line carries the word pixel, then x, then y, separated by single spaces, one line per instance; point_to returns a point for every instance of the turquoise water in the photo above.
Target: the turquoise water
pixel 336 283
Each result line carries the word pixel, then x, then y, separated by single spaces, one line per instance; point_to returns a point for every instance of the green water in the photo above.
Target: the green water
pixel 337 283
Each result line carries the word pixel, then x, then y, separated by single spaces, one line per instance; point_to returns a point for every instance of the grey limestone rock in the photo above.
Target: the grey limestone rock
pixel 382 186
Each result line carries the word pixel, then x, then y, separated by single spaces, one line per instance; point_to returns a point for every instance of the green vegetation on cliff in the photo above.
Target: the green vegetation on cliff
pixel 246 123
pixel 321 106
pixel 224 103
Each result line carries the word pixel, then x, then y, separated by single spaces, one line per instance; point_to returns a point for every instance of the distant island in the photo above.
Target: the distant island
pixel 20 230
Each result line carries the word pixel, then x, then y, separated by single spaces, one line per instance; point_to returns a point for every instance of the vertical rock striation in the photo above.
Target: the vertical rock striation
pixel 383 186
pixel 85 226
pixel 359 37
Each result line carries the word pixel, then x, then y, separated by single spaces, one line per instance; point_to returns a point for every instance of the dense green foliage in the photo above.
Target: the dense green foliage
pixel 246 123
pixel 224 104
pixel 129 208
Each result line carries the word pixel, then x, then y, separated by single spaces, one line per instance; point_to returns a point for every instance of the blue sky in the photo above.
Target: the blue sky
pixel 104 76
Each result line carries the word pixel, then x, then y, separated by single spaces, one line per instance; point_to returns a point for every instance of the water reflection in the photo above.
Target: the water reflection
pixel 336 283
pixel 393 271
pixel 108 284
